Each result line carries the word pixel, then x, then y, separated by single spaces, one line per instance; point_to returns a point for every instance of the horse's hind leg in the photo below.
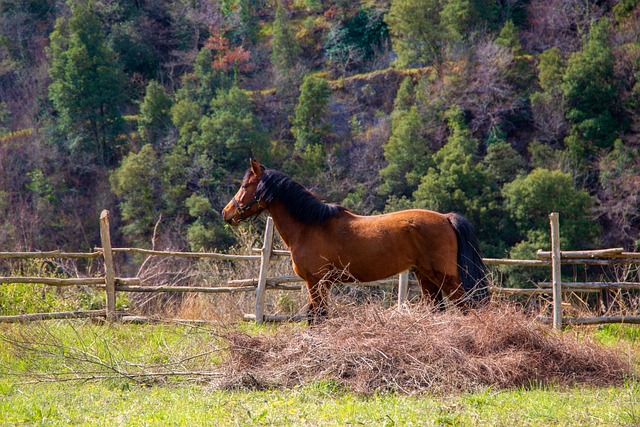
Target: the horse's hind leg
pixel 435 286
pixel 431 290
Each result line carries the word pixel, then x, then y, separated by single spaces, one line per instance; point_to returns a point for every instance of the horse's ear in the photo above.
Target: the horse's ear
pixel 256 168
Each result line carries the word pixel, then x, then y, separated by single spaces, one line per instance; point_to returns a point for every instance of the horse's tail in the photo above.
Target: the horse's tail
pixel 471 267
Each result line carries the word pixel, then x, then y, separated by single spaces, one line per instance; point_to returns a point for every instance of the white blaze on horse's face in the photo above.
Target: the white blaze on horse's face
pixel 245 204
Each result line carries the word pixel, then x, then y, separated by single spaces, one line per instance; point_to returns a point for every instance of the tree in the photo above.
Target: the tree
pixel 354 40
pixel 502 162
pixel 458 183
pixel 549 105
pixel 509 38
pixel 198 169
pixel 136 183
pixel 285 50
pixel 417 34
pixel 529 200
pixel 309 124
pixel 463 17
pixel 155 113
pixel 455 181
pixel 422 30
pixel 618 199
pixel 231 133
pixel 408 152
pixel 590 89
pixel 87 85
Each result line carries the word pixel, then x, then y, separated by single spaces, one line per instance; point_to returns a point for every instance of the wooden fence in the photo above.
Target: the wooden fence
pixel 112 284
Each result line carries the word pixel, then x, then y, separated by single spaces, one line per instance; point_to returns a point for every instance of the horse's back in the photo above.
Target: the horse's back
pixel 378 246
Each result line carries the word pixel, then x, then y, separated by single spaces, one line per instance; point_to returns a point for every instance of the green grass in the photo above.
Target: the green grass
pixel 119 403
pixel 31 353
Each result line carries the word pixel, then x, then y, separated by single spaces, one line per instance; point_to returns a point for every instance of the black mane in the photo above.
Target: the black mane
pixel 301 204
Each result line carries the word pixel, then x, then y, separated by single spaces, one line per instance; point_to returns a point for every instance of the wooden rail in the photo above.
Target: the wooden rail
pixel 111 284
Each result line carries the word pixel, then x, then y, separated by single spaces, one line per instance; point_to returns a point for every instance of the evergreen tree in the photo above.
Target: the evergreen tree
pixel 456 179
pixel 285 50
pixel 509 38
pixel 87 85
pixel 354 40
pixel 502 162
pixel 462 18
pixel 421 30
pixel 549 104
pixel 309 124
pixel 418 35
pixel 458 183
pixel 529 200
pixel 408 153
pixel 155 113
pixel 137 185
pixel 212 148
pixel 590 88
pixel 231 133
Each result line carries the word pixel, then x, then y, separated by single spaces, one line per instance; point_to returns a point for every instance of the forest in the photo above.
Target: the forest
pixel 501 110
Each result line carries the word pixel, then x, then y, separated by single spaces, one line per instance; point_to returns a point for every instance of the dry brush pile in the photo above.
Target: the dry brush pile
pixel 420 350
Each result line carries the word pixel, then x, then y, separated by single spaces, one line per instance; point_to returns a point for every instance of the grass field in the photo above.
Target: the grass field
pixel 80 373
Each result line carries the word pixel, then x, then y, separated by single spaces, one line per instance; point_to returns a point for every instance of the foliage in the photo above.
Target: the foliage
pixel 136 183
pixel 529 199
pixel 155 110
pixel 285 50
pixel 618 196
pixel 309 123
pixel 457 182
pixel 353 41
pixel 503 163
pixel 230 134
pixel 407 153
pixel 218 146
pixel 464 17
pixel 227 58
pixel 422 30
pixel 417 34
pixel 590 89
pixel 87 86
pixel 509 37
pixel 549 104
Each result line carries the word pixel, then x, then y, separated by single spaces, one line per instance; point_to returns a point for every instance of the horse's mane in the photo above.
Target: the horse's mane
pixel 300 202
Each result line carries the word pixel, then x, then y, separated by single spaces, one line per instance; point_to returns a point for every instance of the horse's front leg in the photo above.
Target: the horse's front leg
pixel 317 307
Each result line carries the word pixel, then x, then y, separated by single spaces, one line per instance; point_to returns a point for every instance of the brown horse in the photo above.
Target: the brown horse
pixel 329 243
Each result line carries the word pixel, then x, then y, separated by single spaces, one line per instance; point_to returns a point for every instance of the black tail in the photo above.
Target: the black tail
pixel 471 268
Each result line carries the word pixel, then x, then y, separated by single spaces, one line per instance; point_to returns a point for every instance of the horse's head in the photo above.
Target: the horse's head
pixel 245 204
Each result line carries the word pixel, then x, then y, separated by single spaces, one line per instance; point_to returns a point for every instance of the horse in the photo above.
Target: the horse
pixel 329 243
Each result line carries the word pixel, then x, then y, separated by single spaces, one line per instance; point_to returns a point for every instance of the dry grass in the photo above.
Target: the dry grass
pixel 370 348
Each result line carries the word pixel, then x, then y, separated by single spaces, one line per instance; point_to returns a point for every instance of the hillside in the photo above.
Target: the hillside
pixel 500 110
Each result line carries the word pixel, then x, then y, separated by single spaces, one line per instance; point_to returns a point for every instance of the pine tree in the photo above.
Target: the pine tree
pixel 285 50
pixel 155 113
pixel 530 198
pixel 136 183
pixel 310 115
pixel 418 36
pixel 87 85
pixel 590 88
pixel 408 152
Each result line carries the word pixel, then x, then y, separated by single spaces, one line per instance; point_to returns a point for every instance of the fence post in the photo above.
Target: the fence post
pixel 110 274
pixel 403 288
pixel 265 256
pixel 555 270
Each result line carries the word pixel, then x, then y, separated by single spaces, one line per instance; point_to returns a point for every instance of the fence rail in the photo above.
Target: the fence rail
pixel 112 284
